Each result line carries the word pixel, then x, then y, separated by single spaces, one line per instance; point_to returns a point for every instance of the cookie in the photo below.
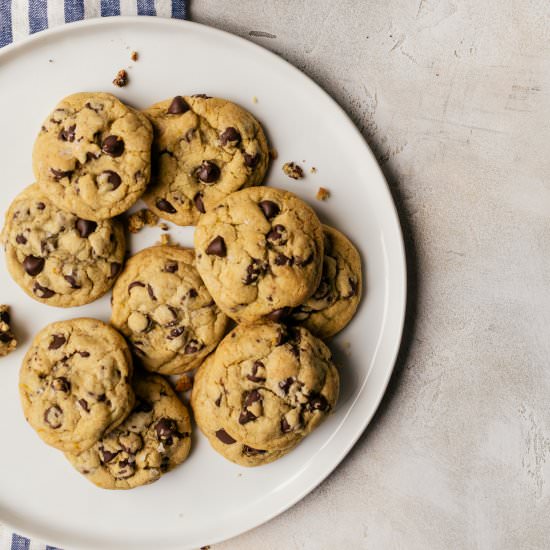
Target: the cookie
pixel 74 383
pixel 93 155
pixel 162 306
pixel 154 439
pixel 335 302
pixel 205 148
pixel 260 253
pixel 56 257
pixel 271 386
pixel 206 416
pixel 8 342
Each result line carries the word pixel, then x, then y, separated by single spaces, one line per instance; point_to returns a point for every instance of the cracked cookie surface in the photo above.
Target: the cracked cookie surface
pixel 56 257
pixel 335 301
pixel 260 253
pixel 74 383
pixel 272 385
pixel 205 148
pixel 154 439
pixel 162 306
pixel 93 155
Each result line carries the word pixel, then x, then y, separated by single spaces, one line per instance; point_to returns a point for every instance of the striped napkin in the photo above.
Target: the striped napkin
pixel 18 19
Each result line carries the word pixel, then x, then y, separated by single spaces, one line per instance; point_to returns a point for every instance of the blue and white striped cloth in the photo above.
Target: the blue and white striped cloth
pixel 18 19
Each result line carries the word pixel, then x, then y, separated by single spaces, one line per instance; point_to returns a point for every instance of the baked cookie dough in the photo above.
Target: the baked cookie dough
pixel 154 439
pixel 162 306
pixel 205 148
pixel 206 416
pixel 56 257
pixel 8 342
pixel 74 383
pixel 260 253
pixel 93 155
pixel 272 385
pixel 335 302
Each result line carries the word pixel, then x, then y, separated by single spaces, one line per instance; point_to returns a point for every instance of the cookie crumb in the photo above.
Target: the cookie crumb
pixel 254 99
pixel 313 170
pixel 273 153
pixel 164 226
pixel 121 79
pixel 164 239
pixel 205 547
pixel 138 220
pixel 293 170
pixel 322 194
pixel 184 383
pixel 50 60
pixel 8 342
pixel 134 56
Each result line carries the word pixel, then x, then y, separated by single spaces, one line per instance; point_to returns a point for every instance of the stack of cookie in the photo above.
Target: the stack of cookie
pixel 262 259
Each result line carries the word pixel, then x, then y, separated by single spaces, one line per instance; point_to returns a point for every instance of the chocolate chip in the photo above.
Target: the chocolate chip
pixel 61 384
pixel 101 398
pixel 72 281
pixel 105 455
pixel 68 134
pixel 199 204
pixel 277 235
pixel 217 248
pixel 115 268
pixel 166 428
pixel 57 341
pixel 250 451
pixel 5 317
pixel 20 239
pixel 178 106
pixel 285 426
pixel 230 135
pixel 252 377
pixel 246 416
pixel 33 265
pixel 224 437
pixel 91 156
pixel 113 178
pixel 42 291
pixel 285 384
pixel 151 293
pixel 302 262
pixel 278 315
pixel 218 401
pixel 192 347
pixel 53 416
pixel 192 293
pixel 251 160
pixel 83 353
pixel 135 284
pixel 318 403
pixel 113 146
pixel 40 206
pixel 84 404
pixel 60 174
pixel 254 270
pixel 171 267
pixel 143 406
pixel 269 208
pixel 281 259
pixel 165 206
pixel 208 172
pixel 85 227
pixel 252 397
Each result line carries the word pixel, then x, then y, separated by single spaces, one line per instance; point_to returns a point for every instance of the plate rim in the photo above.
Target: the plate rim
pixel 400 278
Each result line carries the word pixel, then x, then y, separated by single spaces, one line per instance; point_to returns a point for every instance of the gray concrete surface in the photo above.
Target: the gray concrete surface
pixel 453 96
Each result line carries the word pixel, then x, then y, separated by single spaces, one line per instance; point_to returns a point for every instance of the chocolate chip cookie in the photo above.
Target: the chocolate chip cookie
pixel 206 415
pixel 162 306
pixel 260 253
pixel 271 386
pixel 75 383
pixel 56 257
pixel 8 342
pixel 93 155
pixel 151 441
pixel 335 302
pixel 204 149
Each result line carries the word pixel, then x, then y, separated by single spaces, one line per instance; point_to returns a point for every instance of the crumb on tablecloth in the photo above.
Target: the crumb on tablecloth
pixel 313 170
pixel 164 239
pixel 8 342
pixel 138 220
pixel 184 383
pixel 322 194
pixel 293 170
pixel 164 226
pixel 134 56
pixel 121 79
pixel 273 153
pixel 254 99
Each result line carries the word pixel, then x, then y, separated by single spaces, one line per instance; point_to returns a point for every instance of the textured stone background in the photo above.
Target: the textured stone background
pixel 453 96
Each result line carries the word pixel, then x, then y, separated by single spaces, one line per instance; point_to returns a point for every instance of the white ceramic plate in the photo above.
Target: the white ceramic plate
pixel 207 499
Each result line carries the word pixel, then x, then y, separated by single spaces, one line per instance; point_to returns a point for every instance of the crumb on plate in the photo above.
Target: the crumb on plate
pixel 313 170
pixel 134 56
pixel 322 194
pixel 164 239
pixel 293 170
pixel 8 342
pixel 121 79
pixel 164 226
pixel 138 220
pixel 273 153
